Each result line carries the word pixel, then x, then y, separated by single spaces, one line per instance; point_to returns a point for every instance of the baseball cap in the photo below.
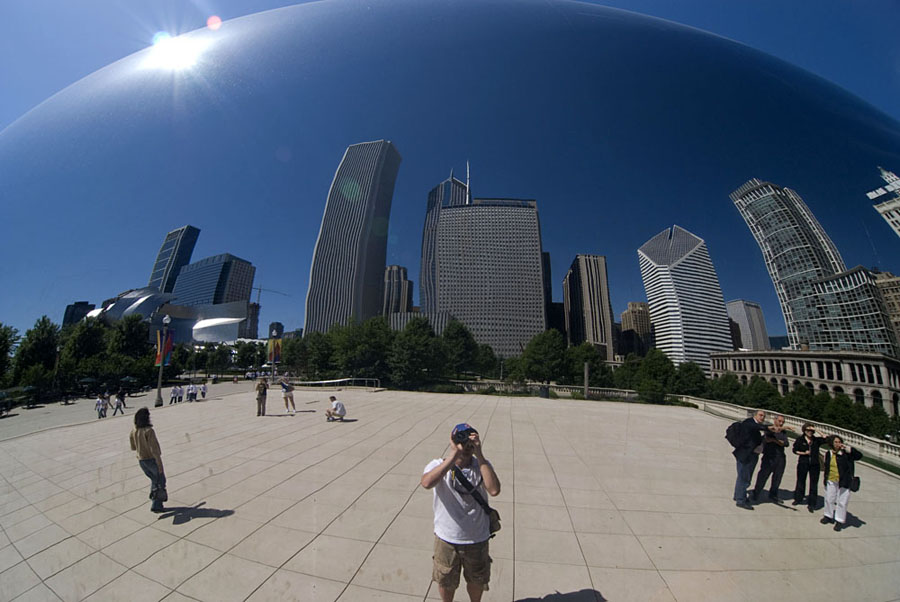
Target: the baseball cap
pixel 462 426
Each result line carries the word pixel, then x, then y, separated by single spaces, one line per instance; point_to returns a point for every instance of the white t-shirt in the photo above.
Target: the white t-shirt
pixel 338 408
pixel 458 518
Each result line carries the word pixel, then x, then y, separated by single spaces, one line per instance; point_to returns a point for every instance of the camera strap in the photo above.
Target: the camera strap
pixel 472 490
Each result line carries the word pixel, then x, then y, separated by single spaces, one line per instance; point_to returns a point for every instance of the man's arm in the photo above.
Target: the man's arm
pixel 433 476
pixel 488 475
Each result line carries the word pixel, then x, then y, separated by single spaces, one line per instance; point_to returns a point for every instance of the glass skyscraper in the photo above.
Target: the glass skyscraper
pixel 449 193
pixel 686 305
pixel 588 311
pixel 218 279
pixel 398 291
pixel 752 325
pixel 174 254
pixel 346 278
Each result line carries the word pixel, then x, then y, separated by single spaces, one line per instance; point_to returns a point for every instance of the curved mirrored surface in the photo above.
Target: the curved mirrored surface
pixel 618 125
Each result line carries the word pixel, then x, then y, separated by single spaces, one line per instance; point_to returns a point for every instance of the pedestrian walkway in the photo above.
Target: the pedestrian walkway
pixel 600 501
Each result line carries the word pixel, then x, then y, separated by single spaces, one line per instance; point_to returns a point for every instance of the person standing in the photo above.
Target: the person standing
pixel 287 393
pixel 462 526
pixel 180 393
pixel 806 448
pixel 173 396
pixel 773 460
pixel 143 441
pixel 203 390
pixel 839 471
pixel 102 404
pixel 337 411
pixel 746 454
pixel 121 395
pixel 261 388
pixel 120 403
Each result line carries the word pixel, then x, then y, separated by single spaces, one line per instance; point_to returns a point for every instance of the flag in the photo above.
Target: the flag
pixel 167 350
pixel 274 351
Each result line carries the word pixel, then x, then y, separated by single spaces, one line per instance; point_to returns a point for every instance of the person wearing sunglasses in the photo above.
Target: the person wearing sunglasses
pixel 806 448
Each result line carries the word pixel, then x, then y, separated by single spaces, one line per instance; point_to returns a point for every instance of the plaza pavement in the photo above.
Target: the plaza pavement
pixel 600 501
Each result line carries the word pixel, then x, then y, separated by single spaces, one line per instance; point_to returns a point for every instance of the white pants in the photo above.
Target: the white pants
pixel 836 500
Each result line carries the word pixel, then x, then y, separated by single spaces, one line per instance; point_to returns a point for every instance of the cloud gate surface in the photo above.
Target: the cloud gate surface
pixel 617 124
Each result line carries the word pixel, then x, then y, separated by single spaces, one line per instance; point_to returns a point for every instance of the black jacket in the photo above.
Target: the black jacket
pixel 845 463
pixel 751 437
pixel 801 445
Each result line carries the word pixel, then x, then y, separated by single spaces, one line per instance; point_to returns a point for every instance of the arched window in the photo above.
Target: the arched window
pixel 877 399
pixel 809 386
pixel 895 403
pixel 859 396
pixel 823 388
pixel 785 389
pixel 743 379
pixel 795 385
pixel 837 390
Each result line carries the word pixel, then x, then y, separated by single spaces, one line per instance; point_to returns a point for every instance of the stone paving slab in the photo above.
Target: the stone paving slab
pixel 600 501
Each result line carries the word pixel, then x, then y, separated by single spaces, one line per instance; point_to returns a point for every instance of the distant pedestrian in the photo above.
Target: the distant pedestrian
pixel 143 441
pixel 287 393
pixel 192 392
pixel 120 403
pixel 806 448
pixel 337 411
pixel 173 397
pixel 102 405
pixel 121 395
pixel 180 393
pixel 839 472
pixel 261 388
pixel 773 460
pixel 203 390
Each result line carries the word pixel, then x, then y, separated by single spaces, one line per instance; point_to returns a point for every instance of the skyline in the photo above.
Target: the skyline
pixel 585 192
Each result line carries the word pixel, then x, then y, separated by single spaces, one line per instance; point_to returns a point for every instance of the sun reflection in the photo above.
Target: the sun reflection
pixel 214 22
pixel 174 53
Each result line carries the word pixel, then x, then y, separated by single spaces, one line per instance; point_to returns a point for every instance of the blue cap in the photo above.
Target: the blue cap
pixel 462 426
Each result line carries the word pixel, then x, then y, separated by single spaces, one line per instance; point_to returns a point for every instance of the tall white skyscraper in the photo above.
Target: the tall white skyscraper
pixel 749 318
pixel 889 208
pixel 686 305
pixel 588 311
pixel 488 271
pixel 346 278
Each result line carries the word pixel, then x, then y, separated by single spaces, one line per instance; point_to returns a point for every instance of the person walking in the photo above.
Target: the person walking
pixel 287 393
pixel 462 525
pixel 839 468
pixel 102 405
pixel 203 390
pixel 261 388
pixel 806 448
pixel 746 453
pixel 120 403
pixel 773 460
pixel 121 395
pixel 143 441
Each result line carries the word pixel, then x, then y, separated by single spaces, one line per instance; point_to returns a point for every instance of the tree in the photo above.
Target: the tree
pixel 724 388
pixel 837 410
pixel 879 422
pixel 460 347
pixel 689 380
pixel 220 359
pixel 294 355
pixel 413 355
pixel 514 370
pixel 759 393
pixel 599 373
pixel 625 377
pixel 38 346
pixel 485 361
pixel 9 337
pixel 651 390
pixel 544 358
pixel 130 337
pixel 319 352
pixel 657 366
pixel 361 350
pixel 802 402
pixel 245 358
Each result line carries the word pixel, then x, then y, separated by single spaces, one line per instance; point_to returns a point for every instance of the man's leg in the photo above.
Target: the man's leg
pixel 800 487
pixel 761 477
pixel 259 403
pixel 778 464
pixel 475 590
pixel 445 571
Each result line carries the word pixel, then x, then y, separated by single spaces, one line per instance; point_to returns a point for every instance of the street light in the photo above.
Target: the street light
pixel 274 334
pixel 161 350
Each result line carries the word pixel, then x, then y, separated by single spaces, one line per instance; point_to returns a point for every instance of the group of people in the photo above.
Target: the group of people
pixel 815 453
pixel 337 411
pixel 177 393
pixel 104 402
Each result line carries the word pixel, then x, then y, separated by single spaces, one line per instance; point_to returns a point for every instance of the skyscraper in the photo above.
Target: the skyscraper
pixel 796 249
pixel 889 285
pixel 635 332
pixel 213 280
pixel 346 278
pixel 398 291
pixel 76 312
pixel 890 208
pixel 686 305
pixel 488 271
pixel 449 193
pixel 588 311
pixel 752 325
pixel 174 254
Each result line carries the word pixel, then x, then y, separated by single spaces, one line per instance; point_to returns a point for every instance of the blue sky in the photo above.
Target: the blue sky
pixel 48 45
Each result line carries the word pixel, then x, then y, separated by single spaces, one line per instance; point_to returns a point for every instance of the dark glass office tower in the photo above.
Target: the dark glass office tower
pixel 174 254
pixel 398 291
pixel 218 279
pixel 449 193
pixel 346 278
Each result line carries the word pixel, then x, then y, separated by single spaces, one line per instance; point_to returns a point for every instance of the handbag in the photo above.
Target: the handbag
pixel 854 484
pixel 493 515
pixel 160 494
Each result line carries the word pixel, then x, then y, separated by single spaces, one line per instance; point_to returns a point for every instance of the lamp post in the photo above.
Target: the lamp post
pixel 274 370
pixel 162 360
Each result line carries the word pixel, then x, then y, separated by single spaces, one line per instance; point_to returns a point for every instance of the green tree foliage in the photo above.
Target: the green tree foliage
pixel 599 373
pixel 725 388
pixel 319 352
pixel 656 366
pixel 650 390
pixel 361 350
pixel 245 358
pixel 759 394
pixel 689 380
pixel 293 355
pixel 130 337
pixel 416 355
pixel 486 363
pixel 880 422
pixel 219 359
pixel 625 376
pixel 460 347
pixel 9 337
pixel 513 369
pixel 38 346
pixel 544 358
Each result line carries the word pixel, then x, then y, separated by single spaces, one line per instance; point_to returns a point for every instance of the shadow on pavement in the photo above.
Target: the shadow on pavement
pixel 183 514
pixel 346 420
pixel 582 595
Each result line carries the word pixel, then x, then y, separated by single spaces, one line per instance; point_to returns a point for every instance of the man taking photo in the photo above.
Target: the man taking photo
pixel 462 526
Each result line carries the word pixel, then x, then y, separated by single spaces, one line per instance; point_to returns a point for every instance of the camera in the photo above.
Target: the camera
pixel 462 436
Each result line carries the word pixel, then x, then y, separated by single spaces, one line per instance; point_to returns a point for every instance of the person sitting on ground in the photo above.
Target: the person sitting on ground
pixel 143 441
pixel 839 472
pixel 287 393
pixel 337 411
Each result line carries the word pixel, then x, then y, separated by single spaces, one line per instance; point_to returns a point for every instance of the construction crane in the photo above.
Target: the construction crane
pixel 260 289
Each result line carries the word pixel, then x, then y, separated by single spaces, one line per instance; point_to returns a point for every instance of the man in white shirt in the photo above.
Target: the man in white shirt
pixel 337 411
pixel 461 524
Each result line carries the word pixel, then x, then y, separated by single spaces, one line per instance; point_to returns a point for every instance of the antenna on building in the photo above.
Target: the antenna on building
pixel 468 191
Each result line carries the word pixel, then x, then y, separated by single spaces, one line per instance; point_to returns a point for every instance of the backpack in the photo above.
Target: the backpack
pixel 733 434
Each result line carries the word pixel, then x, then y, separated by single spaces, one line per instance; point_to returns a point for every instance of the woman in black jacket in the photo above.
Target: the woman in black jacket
pixel 806 448
pixel 839 469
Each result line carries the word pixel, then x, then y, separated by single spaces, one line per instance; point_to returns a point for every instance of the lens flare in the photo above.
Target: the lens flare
pixel 174 53
pixel 214 22
pixel 161 36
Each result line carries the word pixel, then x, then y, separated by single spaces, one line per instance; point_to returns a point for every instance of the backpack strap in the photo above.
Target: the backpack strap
pixel 470 488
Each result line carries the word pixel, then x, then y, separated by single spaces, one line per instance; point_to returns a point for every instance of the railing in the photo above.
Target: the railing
pixel 475 386
pixel 871 447
pixel 368 383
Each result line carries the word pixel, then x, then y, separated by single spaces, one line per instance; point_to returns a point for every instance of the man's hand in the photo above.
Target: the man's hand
pixel 475 442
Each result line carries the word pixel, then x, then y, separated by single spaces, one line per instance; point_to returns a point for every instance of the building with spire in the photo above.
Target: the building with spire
pixel 889 208
pixel 449 193
pixel 346 278
pixel 686 305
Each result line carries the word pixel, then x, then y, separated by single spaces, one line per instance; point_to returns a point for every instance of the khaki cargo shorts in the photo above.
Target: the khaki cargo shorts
pixel 472 558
